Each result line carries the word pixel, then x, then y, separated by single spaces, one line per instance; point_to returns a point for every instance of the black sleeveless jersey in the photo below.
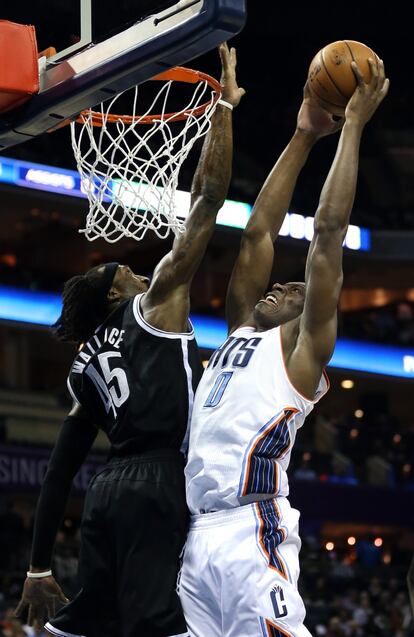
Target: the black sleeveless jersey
pixel 137 382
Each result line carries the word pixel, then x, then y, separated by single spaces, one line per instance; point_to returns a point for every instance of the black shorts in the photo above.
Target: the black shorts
pixel 134 526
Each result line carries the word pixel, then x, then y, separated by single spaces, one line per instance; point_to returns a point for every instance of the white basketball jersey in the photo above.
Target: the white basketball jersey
pixel 245 418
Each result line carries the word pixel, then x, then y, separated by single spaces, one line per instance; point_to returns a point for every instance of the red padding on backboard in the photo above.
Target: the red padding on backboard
pixel 19 71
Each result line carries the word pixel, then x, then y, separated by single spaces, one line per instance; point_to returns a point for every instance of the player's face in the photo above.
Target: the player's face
pixel 129 284
pixel 282 304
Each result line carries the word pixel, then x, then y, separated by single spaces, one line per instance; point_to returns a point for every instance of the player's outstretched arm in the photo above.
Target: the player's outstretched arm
pixel 41 596
pixel 166 305
pixel 251 273
pixel 318 323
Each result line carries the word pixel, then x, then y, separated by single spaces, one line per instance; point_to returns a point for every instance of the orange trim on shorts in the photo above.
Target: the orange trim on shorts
pixel 270 624
pixel 266 552
pixel 285 575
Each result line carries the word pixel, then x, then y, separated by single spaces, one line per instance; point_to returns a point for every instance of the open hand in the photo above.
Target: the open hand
pixel 230 91
pixel 367 97
pixel 314 119
pixel 41 597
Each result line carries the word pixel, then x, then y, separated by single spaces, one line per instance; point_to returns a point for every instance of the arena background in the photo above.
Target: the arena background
pixel 352 470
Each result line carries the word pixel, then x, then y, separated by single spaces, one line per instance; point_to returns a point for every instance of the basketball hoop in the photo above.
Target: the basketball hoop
pixel 129 164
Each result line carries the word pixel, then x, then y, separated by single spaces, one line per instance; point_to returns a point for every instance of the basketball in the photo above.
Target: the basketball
pixel 331 78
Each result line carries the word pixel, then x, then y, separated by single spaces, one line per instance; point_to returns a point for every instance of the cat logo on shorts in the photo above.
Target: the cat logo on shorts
pixel 277 597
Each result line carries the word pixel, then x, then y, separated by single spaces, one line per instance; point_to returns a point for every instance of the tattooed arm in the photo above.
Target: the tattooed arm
pixel 166 305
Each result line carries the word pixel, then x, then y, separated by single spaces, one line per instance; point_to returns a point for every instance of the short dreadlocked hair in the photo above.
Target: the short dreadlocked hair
pixel 85 306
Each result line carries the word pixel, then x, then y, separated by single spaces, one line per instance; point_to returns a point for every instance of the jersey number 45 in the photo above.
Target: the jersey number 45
pixel 112 384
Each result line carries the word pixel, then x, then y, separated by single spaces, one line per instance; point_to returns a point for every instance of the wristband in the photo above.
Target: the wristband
pixel 226 104
pixel 31 575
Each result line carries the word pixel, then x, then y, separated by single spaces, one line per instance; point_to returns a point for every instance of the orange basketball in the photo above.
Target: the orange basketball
pixel 331 78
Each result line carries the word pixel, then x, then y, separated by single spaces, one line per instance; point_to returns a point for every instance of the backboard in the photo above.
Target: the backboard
pixel 104 48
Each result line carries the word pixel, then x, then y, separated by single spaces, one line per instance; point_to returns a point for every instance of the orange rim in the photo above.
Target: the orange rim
pixel 178 74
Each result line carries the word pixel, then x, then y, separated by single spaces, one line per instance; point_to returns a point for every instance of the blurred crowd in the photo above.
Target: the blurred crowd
pixel 16 522
pixel 348 592
pixel 358 448
pixel 392 324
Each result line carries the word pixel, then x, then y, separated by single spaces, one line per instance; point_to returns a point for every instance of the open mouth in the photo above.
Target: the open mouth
pixel 270 299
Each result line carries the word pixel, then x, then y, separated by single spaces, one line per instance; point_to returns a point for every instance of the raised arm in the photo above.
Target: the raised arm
pixel 318 322
pixel 41 595
pixel 166 304
pixel 251 273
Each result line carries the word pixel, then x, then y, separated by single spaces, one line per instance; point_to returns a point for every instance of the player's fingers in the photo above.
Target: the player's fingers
pixel 224 55
pixel 358 75
pixel 20 608
pixel 242 92
pixel 233 56
pixel 374 73
pixel 51 608
pixel 38 624
pixel 31 616
pixel 381 72
pixel 62 597
pixel 385 88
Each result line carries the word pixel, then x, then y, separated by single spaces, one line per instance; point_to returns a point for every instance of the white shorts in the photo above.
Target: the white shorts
pixel 240 571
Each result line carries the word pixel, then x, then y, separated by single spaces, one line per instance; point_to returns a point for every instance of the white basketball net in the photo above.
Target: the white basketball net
pixel 129 171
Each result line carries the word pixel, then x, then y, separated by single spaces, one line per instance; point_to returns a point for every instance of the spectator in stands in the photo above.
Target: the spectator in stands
pixel 405 323
pixel 363 612
pixel 305 471
pixel 342 471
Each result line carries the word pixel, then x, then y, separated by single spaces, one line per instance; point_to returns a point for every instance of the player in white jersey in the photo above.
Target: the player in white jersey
pixel 240 566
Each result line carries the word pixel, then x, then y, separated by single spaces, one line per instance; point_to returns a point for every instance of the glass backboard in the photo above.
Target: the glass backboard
pixel 104 48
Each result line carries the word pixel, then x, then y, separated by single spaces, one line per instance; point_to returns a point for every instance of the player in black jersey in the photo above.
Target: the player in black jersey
pixel 133 377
